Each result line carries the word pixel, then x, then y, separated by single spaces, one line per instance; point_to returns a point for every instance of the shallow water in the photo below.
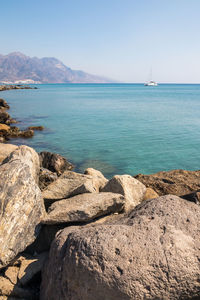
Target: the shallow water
pixel 116 128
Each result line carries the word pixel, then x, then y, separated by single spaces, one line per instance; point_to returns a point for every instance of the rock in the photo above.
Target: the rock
pixel 28 133
pixel 132 189
pixel 28 156
pixel 11 273
pixel 84 208
pixel 54 162
pixel 4 128
pixel 4 104
pixel 98 176
pixel 40 128
pixel 150 194
pixel 9 289
pixel 31 267
pixel 4 117
pixel 21 203
pixel 67 185
pixel 46 177
pixel 176 182
pixel 193 197
pixel 151 254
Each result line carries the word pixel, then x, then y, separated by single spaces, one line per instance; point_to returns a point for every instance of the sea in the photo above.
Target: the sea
pixel 115 128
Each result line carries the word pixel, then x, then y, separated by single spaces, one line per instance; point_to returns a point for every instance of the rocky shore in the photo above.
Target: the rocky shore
pixel 7 129
pixel 65 235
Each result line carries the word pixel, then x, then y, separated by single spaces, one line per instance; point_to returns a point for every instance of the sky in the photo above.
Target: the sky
pixel 119 39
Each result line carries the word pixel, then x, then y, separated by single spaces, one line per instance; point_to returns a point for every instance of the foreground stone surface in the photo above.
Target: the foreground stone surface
pixel 132 189
pixel 54 162
pixel 176 182
pixel 151 254
pixel 68 185
pixel 21 203
pixel 84 208
pixel 5 150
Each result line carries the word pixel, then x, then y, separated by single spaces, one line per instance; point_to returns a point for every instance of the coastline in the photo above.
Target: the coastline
pixel 104 223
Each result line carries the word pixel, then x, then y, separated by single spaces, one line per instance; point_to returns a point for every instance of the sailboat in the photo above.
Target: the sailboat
pixel 151 82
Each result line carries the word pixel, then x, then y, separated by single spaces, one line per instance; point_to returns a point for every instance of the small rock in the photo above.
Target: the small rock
pixel 4 104
pixel 30 267
pixel 132 189
pixel 150 194
pixel 40 128
pixel 54 162
pixel 98 177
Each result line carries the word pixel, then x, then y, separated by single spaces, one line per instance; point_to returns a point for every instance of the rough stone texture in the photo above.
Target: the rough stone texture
pixel 84 208
pixel 30 267
pixel 98 177
pixel 5 150
pixel 26 155
pixel 67 185
pixel 4 127
pixel 11 273
pixel 132 189
pixel 175 182
pixel 54 162
pixel 150 194
pixel 151 254
pixel 21 203
pixel 46 177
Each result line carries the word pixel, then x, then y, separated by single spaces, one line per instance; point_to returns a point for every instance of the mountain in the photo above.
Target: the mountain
pixel 19 68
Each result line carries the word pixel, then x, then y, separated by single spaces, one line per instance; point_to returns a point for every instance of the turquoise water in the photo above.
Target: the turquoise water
pixel 116 128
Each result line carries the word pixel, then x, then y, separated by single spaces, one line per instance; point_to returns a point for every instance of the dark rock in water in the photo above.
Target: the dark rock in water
pixel 4 104
pixel 175 182
pixel 40 128
pixel 46 177
pixel 5 117
pixel 153 253
pixel 21 203
pixel 54 162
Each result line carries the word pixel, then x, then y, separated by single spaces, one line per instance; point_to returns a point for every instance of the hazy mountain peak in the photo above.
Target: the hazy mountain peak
pixel 16 67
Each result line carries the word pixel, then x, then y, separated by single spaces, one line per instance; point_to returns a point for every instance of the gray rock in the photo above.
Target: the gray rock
pixel 132 189
pixel 67 185
pixel 21 203
pixel 54 162
pixel 151 254
pixel 84 208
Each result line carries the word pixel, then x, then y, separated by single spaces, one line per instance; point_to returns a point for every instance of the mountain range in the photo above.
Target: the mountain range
pixel 19 68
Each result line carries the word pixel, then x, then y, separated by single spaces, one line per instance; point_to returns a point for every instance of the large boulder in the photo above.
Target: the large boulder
pixel 175 182
pixel 84 208
pixel 21 203
pixel 5 150
pixel 54 162
pixel 68 185
pixel 151 254
pixel 132 189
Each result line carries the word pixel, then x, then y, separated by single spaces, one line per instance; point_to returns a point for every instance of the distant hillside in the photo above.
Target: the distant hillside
pixel 19 68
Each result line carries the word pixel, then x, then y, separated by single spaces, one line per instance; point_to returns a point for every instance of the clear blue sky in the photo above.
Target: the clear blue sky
pixel 120 39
